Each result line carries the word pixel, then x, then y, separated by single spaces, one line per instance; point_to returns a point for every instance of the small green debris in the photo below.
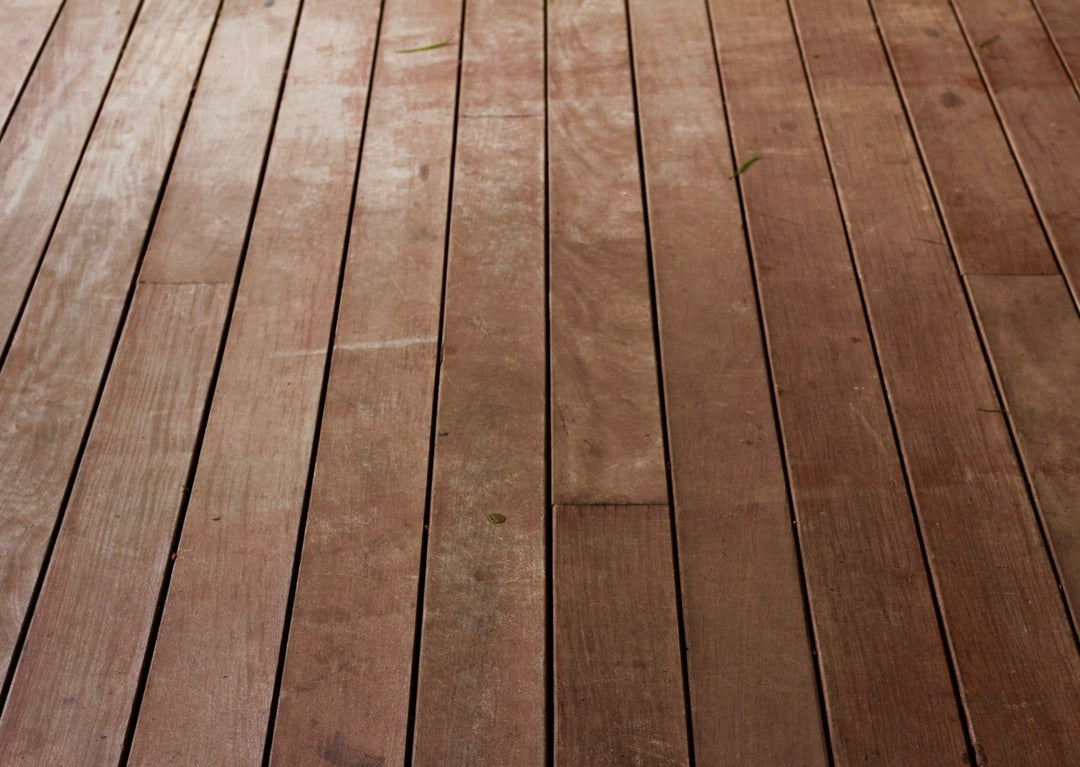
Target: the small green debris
pixel 988 41
pixel 431 47
pixel 495 518
pixel 991 410
pixel 742 168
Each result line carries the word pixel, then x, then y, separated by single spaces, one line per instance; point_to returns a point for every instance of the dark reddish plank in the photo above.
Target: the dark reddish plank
pixel 884 670
pixel 215 662
pixel 111 553
pixel 24 25
pixel 42 143
pixel 618 677
pixel 1063 24
pixel 481 696
pixel 1013 645
pixel 752 677
pixel 607 445
pixel 986 207
pixel 345 689
pixel 58 355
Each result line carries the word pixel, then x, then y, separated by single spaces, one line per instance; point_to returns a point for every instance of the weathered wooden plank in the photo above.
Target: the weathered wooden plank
pixel 24 26
pixel 752 677
pixel 481 696
pixel 43 141
pixel 607 445
pixel 1039 109
pixel 71 696
pixel 1014 651
pixel 58 355
pixel 1063 24
pixel 884 671
pixel 346 682
pixel 1032 327
pixel 986 207
pixel 618 676
pixel 215 662
pixel 95 609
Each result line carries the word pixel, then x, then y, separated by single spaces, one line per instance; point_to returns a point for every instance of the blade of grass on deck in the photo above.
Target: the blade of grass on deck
pixel 1039 109
pixel 346 683
pixel 884 670
pixel 42 144
pixel 481 696
pixel 1063 23
pixel 58 355
pixel 753 683
pixel 618 677
pixel 211 680
pixel 93 616
pixel 24 26
pixel 1013 646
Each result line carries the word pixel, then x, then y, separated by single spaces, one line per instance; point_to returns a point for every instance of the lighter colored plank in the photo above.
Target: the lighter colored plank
pixel 607 445
pixel 24 26
pixel 481 696
pixel 58 356
pixel 42 144
pixel 345 686
pixel 214 666
pixel 752 678
pixel 71 696
pixel 1012 642
pixel 884 670
pixel 618 677
pixel 1063 23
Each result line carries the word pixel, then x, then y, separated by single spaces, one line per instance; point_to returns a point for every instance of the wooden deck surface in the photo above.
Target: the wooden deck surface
pixel 493 382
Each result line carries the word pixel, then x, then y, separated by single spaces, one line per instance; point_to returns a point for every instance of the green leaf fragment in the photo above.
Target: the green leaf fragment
pixel 988 40
pixel 742 168
pixel 496 518
pixel 431 47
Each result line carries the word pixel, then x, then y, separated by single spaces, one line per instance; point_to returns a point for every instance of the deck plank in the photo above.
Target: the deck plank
pixel 215 662
pixel 888 693
pixel 24 27
pixel 607 444
pixel 1063 24
pixel 753 682
pixel 54 368
pixel 44 140
pixel 481 691
pixel 991 570
pixel 618 678
pixel 346 685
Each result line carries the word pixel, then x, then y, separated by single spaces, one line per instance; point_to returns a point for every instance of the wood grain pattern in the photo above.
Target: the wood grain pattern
pixel 221 627
pixel 607 446
pixel 618 677
pixel 57 358
pixel 752 678
pixel 1063 24
pixel 888 694
pixel 992 574
pixel 43 141
pixel 481 696
pixel 71 697
pixel 24 26
pixel 986 208
pixel 345 688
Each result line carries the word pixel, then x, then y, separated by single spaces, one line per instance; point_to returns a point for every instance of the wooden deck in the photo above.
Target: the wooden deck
pixel 474 382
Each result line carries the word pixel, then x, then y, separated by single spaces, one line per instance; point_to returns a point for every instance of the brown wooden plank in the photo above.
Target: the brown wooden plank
pixel 1063 24
pixel 607 446
pixel 1014 650
pixel 618 676
pixel 71 696
pixel 215 661
pixel 1039 109
pixel 1032 327
pixel 41 145
pixel 888 693
pixel 58 355
pixel 481 696
pixel 95 609
pixel 986 207
pixel 346 683
pixel 753 683
pixel 24 25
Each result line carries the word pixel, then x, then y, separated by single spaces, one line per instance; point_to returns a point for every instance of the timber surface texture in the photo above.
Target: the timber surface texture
pixel 525 384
